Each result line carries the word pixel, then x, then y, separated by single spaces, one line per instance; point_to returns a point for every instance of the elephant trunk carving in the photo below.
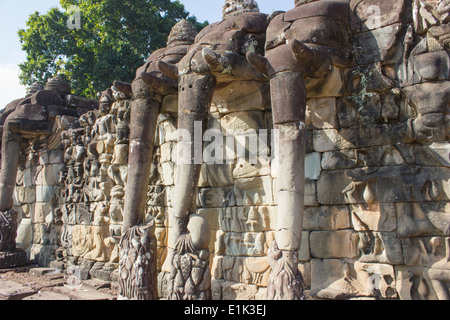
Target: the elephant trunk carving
pixel 10 147
pixel 295 68
pixel 199 73
pixel 191 232
pixel 148 91
pixel 144 116
pixel 194 101
pixel 288 93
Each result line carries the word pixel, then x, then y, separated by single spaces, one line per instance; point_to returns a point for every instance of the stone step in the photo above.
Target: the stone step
pixel 10 290
pixel 97 284
pixel 83 293
pixel 39 272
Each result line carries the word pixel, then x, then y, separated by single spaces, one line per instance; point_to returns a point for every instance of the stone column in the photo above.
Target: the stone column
pixel 288 93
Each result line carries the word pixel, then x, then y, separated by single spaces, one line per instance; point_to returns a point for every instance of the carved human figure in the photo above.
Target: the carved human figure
pixel 104 129
pixel 122 126
pixel 87 122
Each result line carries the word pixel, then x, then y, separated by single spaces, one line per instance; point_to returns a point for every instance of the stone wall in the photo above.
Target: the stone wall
pixel 377 193
pixel 92 198
pixel 37 194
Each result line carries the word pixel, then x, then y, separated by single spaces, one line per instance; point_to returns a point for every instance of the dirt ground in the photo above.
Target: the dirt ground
pixel 41 283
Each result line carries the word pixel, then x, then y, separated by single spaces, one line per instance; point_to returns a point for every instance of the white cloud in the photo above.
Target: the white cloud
pixel 10 87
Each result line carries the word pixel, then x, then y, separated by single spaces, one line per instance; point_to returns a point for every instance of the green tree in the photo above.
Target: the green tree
pixel 114 39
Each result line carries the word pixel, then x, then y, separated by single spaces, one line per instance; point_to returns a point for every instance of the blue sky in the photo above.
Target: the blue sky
pixel 14 13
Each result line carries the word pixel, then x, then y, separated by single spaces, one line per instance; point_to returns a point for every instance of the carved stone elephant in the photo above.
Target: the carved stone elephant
pixel 218 56
pixel 34 116
pixel 31 118
pixel 148 90
pixel 304 51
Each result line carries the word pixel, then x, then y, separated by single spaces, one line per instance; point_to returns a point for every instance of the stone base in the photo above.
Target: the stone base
pixel 10 290
pixel 86 269
pixel 13 259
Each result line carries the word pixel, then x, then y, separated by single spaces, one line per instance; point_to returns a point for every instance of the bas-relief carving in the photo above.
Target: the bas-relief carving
pixel 426 274
pixel 428 14
pixel 245 219
pixel 292 39
pixel 367 214
pixel 190 274
pixel 94 177
pixel 250 270
pixel 10 256
pixel 197 91
pixel 339 279
pixel 137 274
pixel 150 93
pixel 91 242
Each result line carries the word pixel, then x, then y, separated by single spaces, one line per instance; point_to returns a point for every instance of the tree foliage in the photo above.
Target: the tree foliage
pixel 115 38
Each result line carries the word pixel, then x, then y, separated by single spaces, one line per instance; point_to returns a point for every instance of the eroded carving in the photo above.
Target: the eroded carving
pixel 137 264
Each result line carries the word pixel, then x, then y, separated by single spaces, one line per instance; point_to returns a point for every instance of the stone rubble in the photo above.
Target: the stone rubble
pixel 37 283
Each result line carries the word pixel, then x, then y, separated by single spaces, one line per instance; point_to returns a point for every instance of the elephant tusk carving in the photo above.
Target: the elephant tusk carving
pixel 159 84
pixel 123 87
pixel 229 66
pixel 215 61
pixel 316 61
pixel 170 70
pixel 258 62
